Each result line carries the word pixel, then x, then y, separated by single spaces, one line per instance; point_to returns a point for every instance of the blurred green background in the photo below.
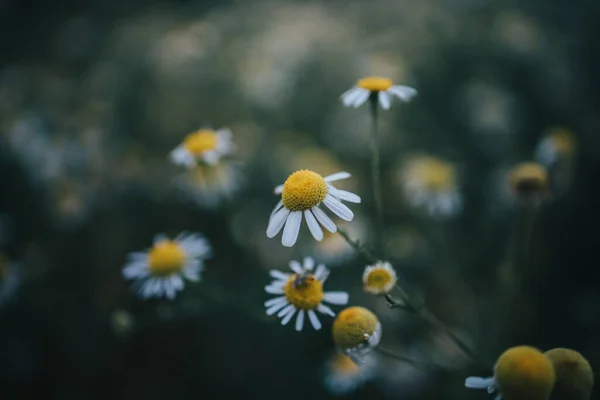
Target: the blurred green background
pixel 95 94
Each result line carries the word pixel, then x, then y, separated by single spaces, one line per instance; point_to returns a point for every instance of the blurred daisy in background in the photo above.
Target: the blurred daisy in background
pixel 208 186
pixel 204 146
pixel 379 278
pixel 343 375
pixel 557 144
pixel 528 183
pixel 9 279
pixel 301 194
pixel 431 183
pixel 383 88
pixel 356 331
pixel 160 270
pixel 302 292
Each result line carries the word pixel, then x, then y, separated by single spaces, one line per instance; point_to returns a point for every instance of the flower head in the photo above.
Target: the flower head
pixel 558 144
pixel 574 375
pixel 303 292
pixel 379 278
pixel 344 375
pixel 205 146
pixel 431 182
pixel 521 373
pixel 382 89
pixel 301 194
pixel 356 331
pixel 529 182
pixel 160 270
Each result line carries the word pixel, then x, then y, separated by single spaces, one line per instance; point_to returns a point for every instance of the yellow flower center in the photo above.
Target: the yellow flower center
pixel 353 326
pixel 166 258
pixel 303 190
pixel 200 141
pixel 342 364
pixel 529 179
pixel 305 292
pixel 378 279
pixel 374 83
pixel 523 372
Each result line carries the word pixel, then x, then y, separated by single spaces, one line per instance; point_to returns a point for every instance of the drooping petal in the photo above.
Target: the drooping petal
pixel 324 219
pixel 314 320
pixel 275 300
pixel 337 176
pixel 338 208
pixel 337 298
pixel 292 228
pixel 384 100
pixel 344 195
pixel 276 307
pixel 476 382
pixel 404 93
pixel 323 309
pixel 349 96
pixel 313 225
pixel 300 320
pixel 288 316
pixel 361 98
pixel 276 222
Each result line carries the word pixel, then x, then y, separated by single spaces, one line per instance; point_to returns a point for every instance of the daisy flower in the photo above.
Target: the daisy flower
pixel 208 186
pixel 521 372
pixel 205 146
pixel 382 89
pixel 301 194
pixel 9 279
pixel 558 144
pixel 379 278
pixel 344 375
pixel 302 291
pixel 160 270
pixel 431 183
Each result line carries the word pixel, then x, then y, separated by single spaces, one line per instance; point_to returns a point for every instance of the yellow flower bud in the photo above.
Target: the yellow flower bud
pixel 356 329
pixel 574 375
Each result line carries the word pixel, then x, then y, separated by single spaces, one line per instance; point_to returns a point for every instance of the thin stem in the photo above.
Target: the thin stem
pixel 375 176
pixel 412 361
pixel 358 247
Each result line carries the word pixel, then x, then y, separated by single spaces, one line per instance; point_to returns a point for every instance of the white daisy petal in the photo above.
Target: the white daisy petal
pixel 275 300
pixel 361 98
pixel 313 225
pixel 288 317
pixel 338 208
pixel 324 220
pixel 278 189
pixel 344 195
pixel 337 176
pixel 476 382
pixel 279 275
pixel 274 290
pixel 314 320
pixel 292 228
pixel 277 207
pixel 384 100
pixel 321 273
pixel 404 93
pixel 285 311
pixel 276 222
pixel 323 309
pixel 349 96
pixel 337 298
pixel 308 263
pixel 276 307
pixel 300 320
pixel 296 267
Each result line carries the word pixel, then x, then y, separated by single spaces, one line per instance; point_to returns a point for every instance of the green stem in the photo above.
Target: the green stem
pixel 370 257
pixel 375 176
pixel 412 361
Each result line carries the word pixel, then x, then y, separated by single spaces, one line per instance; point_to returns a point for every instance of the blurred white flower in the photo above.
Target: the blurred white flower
pixel 383 88
pixel 204 145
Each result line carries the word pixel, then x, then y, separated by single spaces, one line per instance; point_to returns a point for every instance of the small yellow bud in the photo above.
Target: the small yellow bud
pixel 574 375
pixel 529 181
pixel 356 329
pixel 524 373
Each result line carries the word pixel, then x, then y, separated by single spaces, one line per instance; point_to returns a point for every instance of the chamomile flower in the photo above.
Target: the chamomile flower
pixel 529 182
pixel 574 375
pixel 431 183
pixel 379 278
pixel 558 144
pixel 356 331
pixel 302 292
pixel 9 279
pixel 344 375
pixel 160 270
pixel 301 195
pixel 382 89
pixel 521 373
pixel 208 186
pixel 203 146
